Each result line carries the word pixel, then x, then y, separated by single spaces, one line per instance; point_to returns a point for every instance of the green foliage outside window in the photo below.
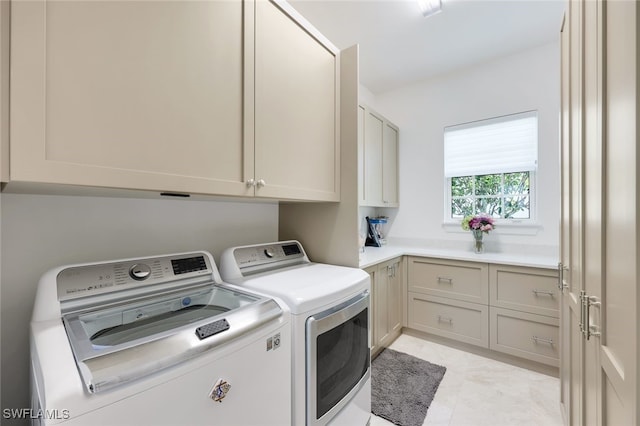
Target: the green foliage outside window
pixel 500 195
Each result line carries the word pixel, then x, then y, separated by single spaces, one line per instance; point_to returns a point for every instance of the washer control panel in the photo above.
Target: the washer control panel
pixel 80 281
pixel 269 254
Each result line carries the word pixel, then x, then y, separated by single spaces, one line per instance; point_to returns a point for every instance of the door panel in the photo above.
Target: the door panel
pixel 619 287
pixel 565 223
pixel 593 158
pixel 92 106
pixel 390 166
pixel 296 113
pixel 374 130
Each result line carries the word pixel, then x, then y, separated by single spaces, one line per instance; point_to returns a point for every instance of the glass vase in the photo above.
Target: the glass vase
pixel 478 245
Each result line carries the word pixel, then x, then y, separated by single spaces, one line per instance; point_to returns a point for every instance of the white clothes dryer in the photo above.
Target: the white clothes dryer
pixel 330 311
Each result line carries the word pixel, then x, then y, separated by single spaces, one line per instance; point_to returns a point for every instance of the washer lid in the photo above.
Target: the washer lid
pixel 306 288
pixel 116 344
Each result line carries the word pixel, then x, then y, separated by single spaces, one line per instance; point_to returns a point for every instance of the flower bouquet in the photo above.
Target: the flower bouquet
pixel 478 225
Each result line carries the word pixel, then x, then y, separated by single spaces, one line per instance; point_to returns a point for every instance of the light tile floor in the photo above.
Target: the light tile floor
pixel 478 391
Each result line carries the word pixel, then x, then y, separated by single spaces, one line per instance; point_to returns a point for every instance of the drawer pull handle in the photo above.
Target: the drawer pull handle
pixel 445 280
pixel 547 293
pixel 448 320
pixel 537 339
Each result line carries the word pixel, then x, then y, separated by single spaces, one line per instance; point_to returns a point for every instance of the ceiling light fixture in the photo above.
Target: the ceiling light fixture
pixel 430 7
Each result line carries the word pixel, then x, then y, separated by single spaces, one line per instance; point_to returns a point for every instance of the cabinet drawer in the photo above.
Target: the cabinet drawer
pixel 463 321
pixel 530 336
pixel 466 281
pixel 531 290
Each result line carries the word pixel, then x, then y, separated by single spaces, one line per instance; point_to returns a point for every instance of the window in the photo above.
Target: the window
pixel 490 167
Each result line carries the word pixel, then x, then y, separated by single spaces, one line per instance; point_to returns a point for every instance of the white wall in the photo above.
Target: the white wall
pixel 525 81
pixel 40 232
pixel 366 97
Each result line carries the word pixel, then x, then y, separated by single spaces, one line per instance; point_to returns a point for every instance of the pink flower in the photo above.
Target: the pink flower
pixel 479 223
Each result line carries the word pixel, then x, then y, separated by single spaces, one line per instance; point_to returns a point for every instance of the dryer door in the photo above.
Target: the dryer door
pixel 338 358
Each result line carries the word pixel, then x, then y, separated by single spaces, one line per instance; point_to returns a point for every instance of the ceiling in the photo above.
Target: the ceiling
pixel 398 46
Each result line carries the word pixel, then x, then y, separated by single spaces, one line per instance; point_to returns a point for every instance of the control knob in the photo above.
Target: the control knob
pixel 269 252
pixel 140 272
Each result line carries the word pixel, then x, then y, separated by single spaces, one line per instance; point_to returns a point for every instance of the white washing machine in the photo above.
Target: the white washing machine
pixel 157 341
pixel 330 311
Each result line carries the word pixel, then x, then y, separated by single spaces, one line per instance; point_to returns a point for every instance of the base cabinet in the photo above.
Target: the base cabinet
pixel 449 298
pixel 508 309
pixel 387 295
pixel 524 312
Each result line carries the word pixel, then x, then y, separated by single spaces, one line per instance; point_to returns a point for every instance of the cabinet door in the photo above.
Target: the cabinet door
pixel 389 302
pixel 614 280
pixel 373 135
pixel 373 341
pixel 296 112
pixel 569 329
pixel 390 166
pixel 382 305
pixel 394 297
pixel 361 156
pixel 143 95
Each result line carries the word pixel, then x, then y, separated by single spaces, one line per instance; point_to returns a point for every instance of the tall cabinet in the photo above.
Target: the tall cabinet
pixel 599 212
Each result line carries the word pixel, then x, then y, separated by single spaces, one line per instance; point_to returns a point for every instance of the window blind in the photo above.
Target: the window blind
pixel 497 145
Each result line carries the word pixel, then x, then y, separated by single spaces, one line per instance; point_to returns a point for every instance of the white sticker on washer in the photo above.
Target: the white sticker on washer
pixel 220 390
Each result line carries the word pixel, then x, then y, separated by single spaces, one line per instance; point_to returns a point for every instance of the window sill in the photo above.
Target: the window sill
pixel 502 227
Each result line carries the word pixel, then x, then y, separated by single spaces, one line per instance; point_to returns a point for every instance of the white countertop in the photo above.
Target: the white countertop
pixel 374 255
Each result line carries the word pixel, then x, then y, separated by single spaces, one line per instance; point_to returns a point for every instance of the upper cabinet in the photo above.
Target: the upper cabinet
pixel 378 160
pixel 175 96
pixel 296 112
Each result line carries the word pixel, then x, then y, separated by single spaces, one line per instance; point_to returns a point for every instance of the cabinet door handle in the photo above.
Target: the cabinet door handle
pixel 251 182
pixel 260 183
pixel 590 330
pixel 547 293
pixel 537 339
pixel 445 280
pixel 448 320
pixel 581 324
pixel 561 270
